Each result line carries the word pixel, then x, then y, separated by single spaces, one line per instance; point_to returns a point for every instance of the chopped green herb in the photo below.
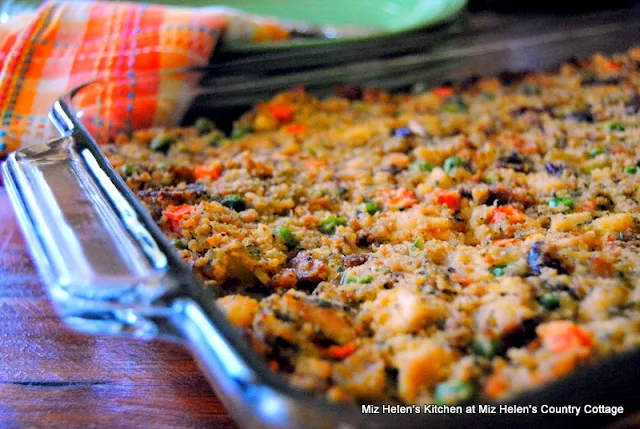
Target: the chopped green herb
pixel 324 303
pixel 128 169
pixel 328 226
pixel 204 126
pixel 452 162
pixel 421 166
pixel 162 142
pixel 454 392
pixel 487 96
pixel 253 250
pixel 616 126
pixel 595 152
pixel 372 208
pixel 164 165
pixel 234 202
pixel 287 237
pixel 631 170
pixel 416 246
pixel 498 270
pixel 561 202
pixel 530 89
pixel 550 301
pixel 487 347
pixel 213 139
pixel 455 104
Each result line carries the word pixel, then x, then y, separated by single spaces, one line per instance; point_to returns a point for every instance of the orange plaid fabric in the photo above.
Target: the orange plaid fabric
pixel 64 44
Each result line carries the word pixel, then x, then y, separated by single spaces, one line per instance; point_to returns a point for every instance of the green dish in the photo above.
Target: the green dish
pixel 377 18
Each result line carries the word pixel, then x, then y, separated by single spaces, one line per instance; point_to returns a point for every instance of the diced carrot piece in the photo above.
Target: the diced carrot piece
pixel 505 242
pixel 212 172
pixel 341 352
pixel 449 198
pixel 399 160
pixel 496 385
pixel 511 213
pixel 563 335
pixel 403 198
pixel 296 128
pixel 313 166
pixel 274 365
pixel 444 91
pixel 174 214
pixel 460 278
pixel 612 65
pixel 601 266
pixel 282 112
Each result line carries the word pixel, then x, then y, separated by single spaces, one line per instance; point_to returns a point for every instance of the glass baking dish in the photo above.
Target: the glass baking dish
pixel 110 270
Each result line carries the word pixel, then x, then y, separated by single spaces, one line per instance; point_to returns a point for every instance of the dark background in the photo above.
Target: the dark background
pixel 546 6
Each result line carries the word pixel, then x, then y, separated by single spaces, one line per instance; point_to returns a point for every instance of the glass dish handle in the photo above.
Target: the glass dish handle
pixel 109 270
pixel 88 241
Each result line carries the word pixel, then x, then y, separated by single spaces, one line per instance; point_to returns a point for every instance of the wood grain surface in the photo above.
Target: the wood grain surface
pixel 52 377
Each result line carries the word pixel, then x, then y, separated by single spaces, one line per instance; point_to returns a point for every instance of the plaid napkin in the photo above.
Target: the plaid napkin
pixel 64 44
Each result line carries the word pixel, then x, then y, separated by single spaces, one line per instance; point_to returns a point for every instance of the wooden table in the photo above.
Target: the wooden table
pixel 51 377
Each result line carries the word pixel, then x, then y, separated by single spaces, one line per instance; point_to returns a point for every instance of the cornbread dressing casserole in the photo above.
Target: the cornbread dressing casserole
pixel 469 242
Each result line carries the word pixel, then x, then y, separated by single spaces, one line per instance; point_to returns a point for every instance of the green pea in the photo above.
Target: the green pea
pixel 561 202
pixel 631 170
pixel 234 202
pixel 487 347
pixel 162 142
pixel 454 392
pixel 487 96
pixel 204 126
pixel 452 162
pixel 362 280
pixel 178 244
pixel 241 131
pixel 213 139
pixel 616 126
pixel 550 301
pixel 455 104
pixel 366 279
pixel 329 225
pixel 498 270
pixel 372 208
pixel 287 237
pixel 421 166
